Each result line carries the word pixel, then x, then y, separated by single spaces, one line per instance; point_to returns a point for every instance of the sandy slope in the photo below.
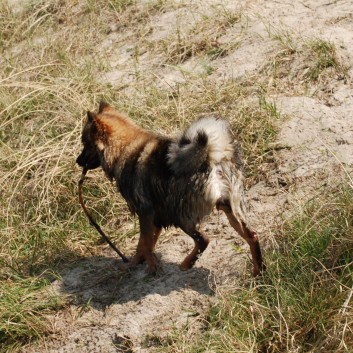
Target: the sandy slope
pixel 317 141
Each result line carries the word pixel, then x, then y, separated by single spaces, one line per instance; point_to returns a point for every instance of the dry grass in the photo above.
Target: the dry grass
pixel 44 97
pixel 205 37
pixel 51 69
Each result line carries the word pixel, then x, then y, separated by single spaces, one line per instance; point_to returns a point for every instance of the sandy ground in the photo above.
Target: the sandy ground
pixel 316 146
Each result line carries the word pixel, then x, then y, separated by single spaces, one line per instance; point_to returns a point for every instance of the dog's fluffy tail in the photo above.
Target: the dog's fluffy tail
pixel 206 140
pixel 209 142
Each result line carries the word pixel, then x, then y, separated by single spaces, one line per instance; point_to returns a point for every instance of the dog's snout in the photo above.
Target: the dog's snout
pixel 79 160
pixel 88 159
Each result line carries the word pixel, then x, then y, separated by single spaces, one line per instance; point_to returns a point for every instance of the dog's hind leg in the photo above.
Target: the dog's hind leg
pixel 248 235
pixel 201 243
pixel 148 237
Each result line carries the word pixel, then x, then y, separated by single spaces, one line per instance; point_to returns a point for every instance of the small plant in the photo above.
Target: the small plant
pixel 323 55
pixel 121 5
pixel 285 38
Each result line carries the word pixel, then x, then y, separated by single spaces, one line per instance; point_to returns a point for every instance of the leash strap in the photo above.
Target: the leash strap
pixel 92 221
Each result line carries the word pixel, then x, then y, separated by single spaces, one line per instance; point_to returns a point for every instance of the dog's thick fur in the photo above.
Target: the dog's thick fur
pixel 170 181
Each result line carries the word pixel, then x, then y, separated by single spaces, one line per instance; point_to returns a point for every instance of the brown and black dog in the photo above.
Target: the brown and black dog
pixel 170 181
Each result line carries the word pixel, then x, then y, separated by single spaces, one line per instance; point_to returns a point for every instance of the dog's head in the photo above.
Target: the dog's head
pixel 92 140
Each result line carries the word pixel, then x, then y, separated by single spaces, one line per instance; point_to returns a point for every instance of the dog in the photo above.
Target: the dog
pixel 170 181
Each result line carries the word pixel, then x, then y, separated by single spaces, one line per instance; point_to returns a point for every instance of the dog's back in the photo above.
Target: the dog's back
pixel 179 179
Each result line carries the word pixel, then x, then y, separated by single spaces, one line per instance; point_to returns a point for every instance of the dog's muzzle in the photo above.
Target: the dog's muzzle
pixel 86 160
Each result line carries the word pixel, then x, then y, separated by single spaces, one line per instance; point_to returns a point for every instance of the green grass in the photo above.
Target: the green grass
pixel 325 57
pixel 302 302
pixel 23 306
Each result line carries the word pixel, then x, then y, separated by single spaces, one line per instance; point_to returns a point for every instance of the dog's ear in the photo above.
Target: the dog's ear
pixel 90 116
pixel 93 123
pixel 103 106
pixel 97 130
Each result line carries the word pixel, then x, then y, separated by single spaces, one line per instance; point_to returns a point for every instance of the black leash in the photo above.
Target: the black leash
pixel 92 221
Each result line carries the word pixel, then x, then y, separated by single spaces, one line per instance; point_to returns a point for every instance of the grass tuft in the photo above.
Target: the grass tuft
pixel 301 64
pixel 203 38
pixel 324 57
pixel 23 306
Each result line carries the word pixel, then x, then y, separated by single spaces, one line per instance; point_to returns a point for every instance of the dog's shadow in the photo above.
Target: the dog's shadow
pixel 102 281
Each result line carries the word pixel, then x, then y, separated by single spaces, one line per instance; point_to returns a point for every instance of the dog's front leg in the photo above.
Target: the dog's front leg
pixel 144 252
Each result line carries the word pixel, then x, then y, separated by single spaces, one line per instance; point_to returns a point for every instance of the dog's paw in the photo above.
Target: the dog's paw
pixel 187 264
pixel 183 267
pixel 137 259
pixel 259 270
pixel 153 264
